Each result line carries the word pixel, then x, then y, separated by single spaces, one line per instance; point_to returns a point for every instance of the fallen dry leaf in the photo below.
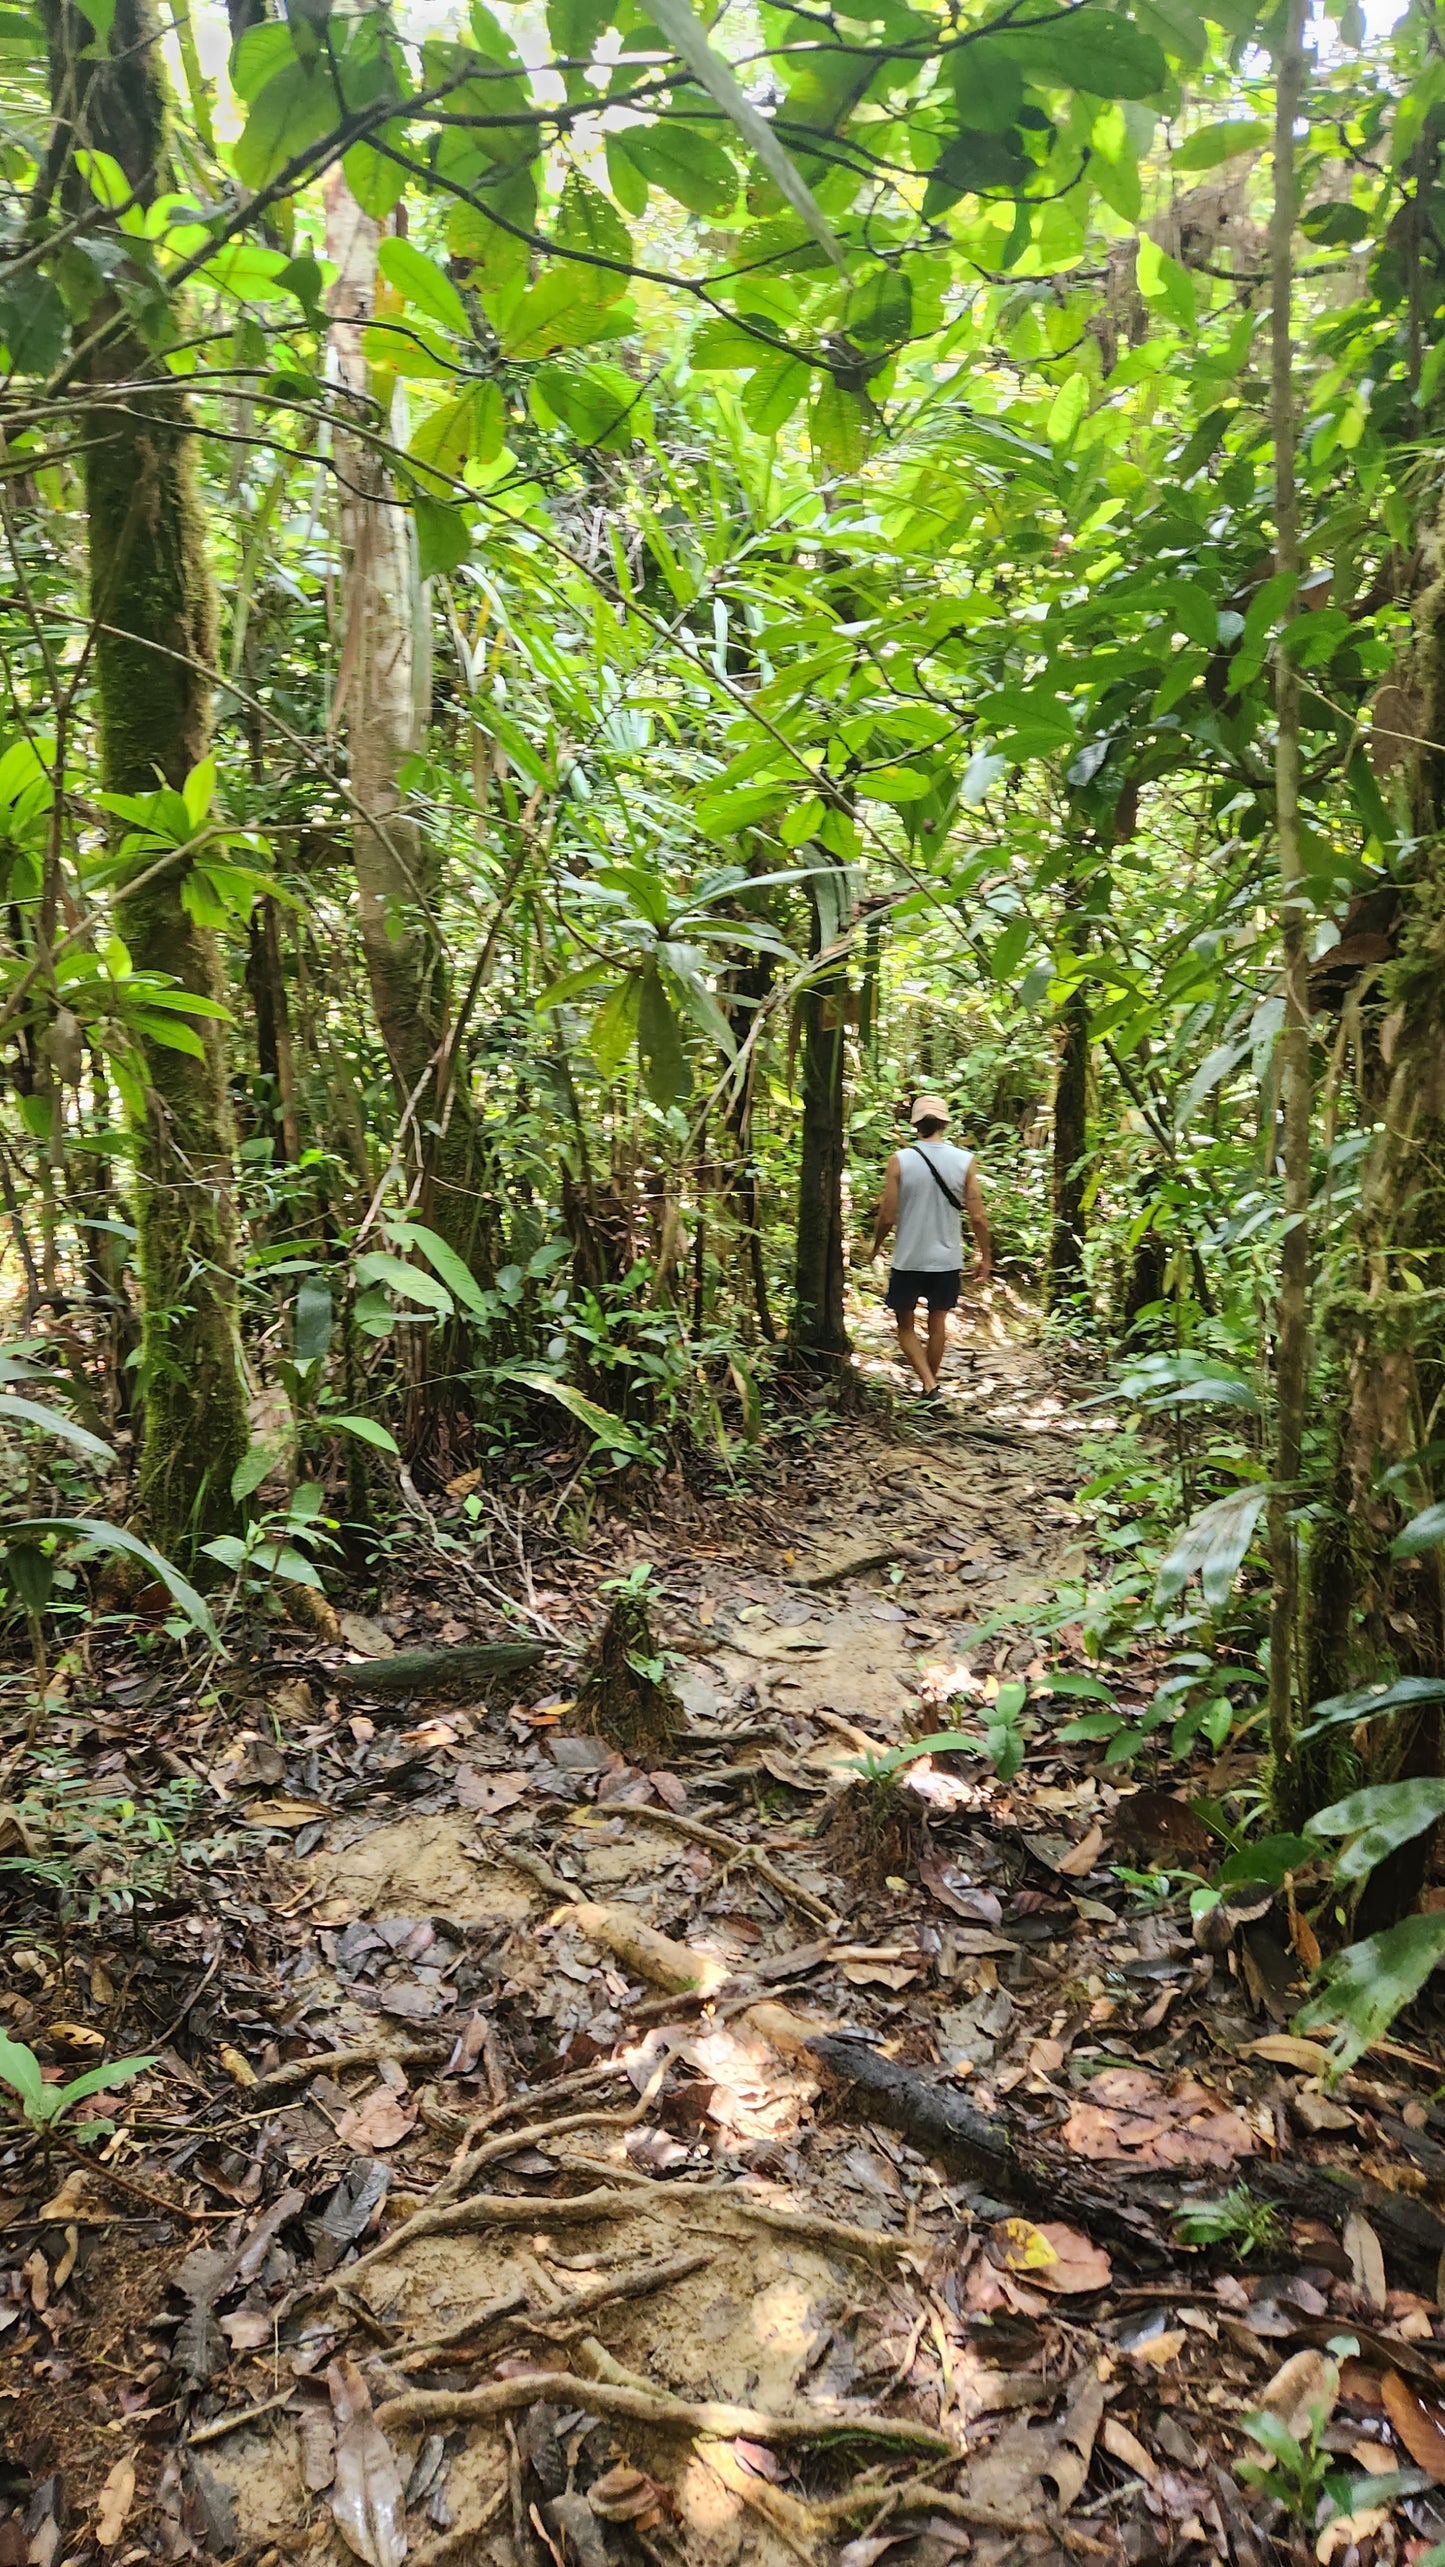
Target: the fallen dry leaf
pixel 367 2496
pixel 1078 2265
pixel 316 2433
pixel 1159 2350
pixel 246 2330
pixel 955 1891
pixel 1129 2114
pixel 1058 2259
pixel 382 2120
pixel 1367 2259
pixel 873 1970
pixel 1302 2393
pixel 1025 2453
pixel 1348 2531
pixel 628 2495
pixel 488 1793
pixel 1288 2050
pixel 37 2274
pixel 285 1812
pixel 75 2036
pixel 116 2498
pixel 1077 1865
pixel 361 1633
pixel 66 2265
pixel 1413 2424
pixel 1123 2445
pixel 71 2202
pixel 470 2043
pixel 237 2068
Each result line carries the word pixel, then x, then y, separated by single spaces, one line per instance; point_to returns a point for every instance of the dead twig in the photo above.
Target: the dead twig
pixel 220 2425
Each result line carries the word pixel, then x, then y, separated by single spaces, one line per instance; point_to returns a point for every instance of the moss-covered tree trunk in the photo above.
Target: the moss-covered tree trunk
pixel 153 602
pixel 383 691
pixel 1372 1614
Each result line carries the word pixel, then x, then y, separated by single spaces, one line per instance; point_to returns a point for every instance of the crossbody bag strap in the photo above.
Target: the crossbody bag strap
pixel 945 1190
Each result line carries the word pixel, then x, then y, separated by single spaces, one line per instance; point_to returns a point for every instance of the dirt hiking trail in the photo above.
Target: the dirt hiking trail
pixel 745 2158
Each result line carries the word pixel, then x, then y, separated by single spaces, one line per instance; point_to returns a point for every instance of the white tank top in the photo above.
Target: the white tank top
pixel 929 1237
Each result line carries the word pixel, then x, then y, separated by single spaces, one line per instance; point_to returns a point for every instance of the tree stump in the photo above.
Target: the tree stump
pixel 624 1697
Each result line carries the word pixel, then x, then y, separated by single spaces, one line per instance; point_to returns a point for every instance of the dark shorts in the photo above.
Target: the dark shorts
pixel 906 1290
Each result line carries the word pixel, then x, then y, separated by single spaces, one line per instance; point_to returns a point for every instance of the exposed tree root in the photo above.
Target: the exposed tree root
pixel 434 2407
pixel 734 1850
pixel 638 2282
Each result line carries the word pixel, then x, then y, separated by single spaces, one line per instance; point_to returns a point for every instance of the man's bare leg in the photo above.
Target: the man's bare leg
pixel 912 1351
pixel 937 1341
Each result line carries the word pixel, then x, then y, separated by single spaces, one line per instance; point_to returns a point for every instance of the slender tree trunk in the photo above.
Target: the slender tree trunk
pixel 750 985
pixel 1071 1141
pixel 151 594
pixel 383 691
pixel 819 1333
pixel 1373 1615
pixel 1293 1321
pixel 274 1056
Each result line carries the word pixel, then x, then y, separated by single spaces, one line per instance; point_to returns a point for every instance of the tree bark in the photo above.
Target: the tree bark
pixel 1372 1615
pixel 1293 1317
pixel 274 1057
pixel 383 691
pixel 750 984
pixel 152 596
pixel 1071 1140
pixel 819 1332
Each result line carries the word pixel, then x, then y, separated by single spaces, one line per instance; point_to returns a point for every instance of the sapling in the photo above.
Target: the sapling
pixel 42 2106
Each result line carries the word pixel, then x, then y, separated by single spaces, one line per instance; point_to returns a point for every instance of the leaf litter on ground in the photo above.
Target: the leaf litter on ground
pixel 1057 2377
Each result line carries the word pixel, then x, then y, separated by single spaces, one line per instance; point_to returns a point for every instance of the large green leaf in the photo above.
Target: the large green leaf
pixel 686 164
pixel 589 225
pixel 1211 1547
pixel 20 2071
pixel 314 1320
pixel 419 280
pixel 29 1412
pixel 987 82
pixel 1364 1987
pixel 455 1273
pixel 1424 1532
pixel 377 1267
pixel 564 309
pixel 96 1536
pixel 97 2081
pixel 1096 50
pixel 660 1042
pixel 599 1422
pixel 1343 1711
pixel 977 162
pixel 684 29
pixel 1214 144
pixel 1379 1819
pixel 296 107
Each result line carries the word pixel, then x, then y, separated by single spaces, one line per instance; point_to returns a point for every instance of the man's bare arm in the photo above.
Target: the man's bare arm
pixel 887 1212
pixel 978 1223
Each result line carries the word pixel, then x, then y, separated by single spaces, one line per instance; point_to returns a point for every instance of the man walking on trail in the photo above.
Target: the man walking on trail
pixel 929 1186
